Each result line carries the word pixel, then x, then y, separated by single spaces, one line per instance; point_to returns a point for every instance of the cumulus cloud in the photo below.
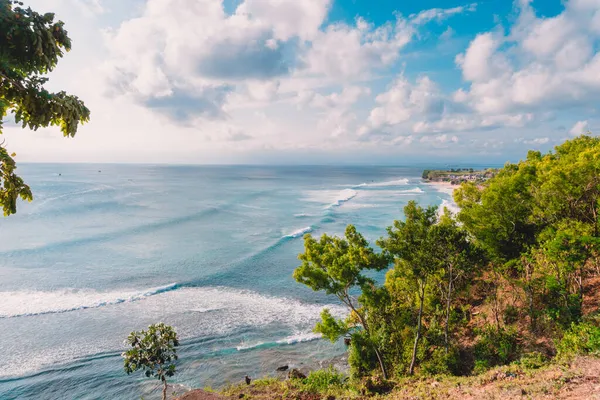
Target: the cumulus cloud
pixel 579 128
pixel 515 79
pixel 180 48
pixel 553 62
pixel 421 107
pixel 537 141
pixel 348 51
pixel 276 74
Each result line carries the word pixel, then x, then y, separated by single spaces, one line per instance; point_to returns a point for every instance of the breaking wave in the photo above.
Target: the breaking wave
pixel 29 303
pixel 397 182
pixel 299 233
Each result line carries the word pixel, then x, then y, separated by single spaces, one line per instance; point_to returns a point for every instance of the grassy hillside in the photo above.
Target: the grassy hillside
pixel 577 380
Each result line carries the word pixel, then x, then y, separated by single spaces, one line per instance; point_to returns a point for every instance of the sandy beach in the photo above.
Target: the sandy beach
pixel 444 187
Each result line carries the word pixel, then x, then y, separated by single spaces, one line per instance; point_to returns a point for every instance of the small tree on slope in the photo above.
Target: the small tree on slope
pixel 336 266
pixel 153 351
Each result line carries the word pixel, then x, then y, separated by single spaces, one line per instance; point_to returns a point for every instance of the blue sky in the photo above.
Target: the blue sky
pixel 322 81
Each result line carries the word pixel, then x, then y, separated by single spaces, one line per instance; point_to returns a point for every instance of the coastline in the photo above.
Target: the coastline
pixel 444 187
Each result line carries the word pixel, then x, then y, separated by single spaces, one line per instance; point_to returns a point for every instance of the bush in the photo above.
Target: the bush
pixel 495 347
pixel 361 357
pixel 580 339
pixel 481 366
pixel 322 380
pixel 442 363
pixel 511 315
pixel 532 360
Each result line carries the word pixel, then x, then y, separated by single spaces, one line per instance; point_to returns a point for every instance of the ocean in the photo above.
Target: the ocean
pixel 107 249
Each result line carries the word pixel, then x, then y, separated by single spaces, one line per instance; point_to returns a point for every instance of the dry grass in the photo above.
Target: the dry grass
pixel 578 381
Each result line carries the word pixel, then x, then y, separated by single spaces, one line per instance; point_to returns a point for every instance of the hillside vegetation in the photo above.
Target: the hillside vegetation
pixel 511 280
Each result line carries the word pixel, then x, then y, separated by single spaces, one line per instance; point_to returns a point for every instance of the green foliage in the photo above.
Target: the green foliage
pixel 361 358
pixel 30 46
pixel 442 362
pixel 153 351
pixel 534 360
pixel 520 251
pixel 511 314
pixel 495 347
pixel 336 266
pixel 500 216
pixel 322 381
pixel 580 339
pixel 330 327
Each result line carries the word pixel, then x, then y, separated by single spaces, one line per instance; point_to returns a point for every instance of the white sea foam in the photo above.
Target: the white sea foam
pixel 344 196
pixel 248 346
pixel 186 308
pixel 332 198
pixel 28 303
pixel 397 182
pixel 300 337
pixel 450 205
pixel 100 188
pixel 446 189
pixel 300 232
pixel 447 202
pixel 412 191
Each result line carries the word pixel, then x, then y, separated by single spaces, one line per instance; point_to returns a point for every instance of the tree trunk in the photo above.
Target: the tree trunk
pixel 381 363
pixel 529 291
pixel 496 305
pixel 164 392
pixel 448 299
pixel 418 335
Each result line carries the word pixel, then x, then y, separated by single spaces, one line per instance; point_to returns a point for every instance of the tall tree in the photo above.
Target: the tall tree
pixel 336 266
pixel 410 243
pixel 457 257
pixel 30 46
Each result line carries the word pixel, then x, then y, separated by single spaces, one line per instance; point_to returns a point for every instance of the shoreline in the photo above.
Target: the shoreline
pixel 444 187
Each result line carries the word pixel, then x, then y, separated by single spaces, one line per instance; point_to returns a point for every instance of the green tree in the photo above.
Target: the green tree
pixel 410 243
pixel 457 257
pixel 30 46
pixel 336 266
pixel 499 217
pixel 153 351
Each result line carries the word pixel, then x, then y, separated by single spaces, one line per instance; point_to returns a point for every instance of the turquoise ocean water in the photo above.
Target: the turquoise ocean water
pixel 107 249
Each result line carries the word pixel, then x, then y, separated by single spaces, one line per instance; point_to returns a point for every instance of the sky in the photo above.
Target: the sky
pixel 321 81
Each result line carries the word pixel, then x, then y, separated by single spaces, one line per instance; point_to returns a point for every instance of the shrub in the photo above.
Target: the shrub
pixel 583 338
pixel 481 366
pixel 322 380
pixel 361 357
pixel 511 315
pixel 533 360
pixel 495 347
pixel 442 363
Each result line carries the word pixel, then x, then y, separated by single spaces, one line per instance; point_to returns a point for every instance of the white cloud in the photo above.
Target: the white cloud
pixel 344 99
pixel 537 141
pixel 542 63
pixel 404 101
pixel 192 82
pixel 300 18
pixel 579 128
pixel 423 108
pixel 345 51
pixel 179 51
pixel 439 14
